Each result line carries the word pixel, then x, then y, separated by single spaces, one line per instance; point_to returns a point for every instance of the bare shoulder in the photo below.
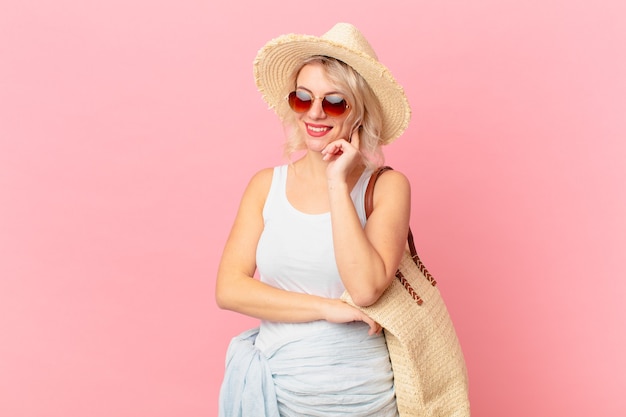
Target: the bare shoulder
pixel 262 179
pixel 259 184
pixel 392 183
pixel 249 217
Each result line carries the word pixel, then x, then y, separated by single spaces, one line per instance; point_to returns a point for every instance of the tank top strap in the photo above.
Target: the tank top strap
pixel 358 195
pixel 275 201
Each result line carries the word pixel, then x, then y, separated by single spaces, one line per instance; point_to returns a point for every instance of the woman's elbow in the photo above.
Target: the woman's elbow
pixel 366 298
pixel 220 301
pixel 366 295
pixel 222 298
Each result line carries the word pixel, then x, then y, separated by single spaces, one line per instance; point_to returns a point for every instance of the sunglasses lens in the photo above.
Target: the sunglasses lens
pixel 299 101
pixel 334 105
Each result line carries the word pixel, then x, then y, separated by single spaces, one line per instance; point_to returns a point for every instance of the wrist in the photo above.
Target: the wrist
pixel 323 307
pixel 337 185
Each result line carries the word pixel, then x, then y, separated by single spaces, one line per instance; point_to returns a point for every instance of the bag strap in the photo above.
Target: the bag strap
pixel 369 207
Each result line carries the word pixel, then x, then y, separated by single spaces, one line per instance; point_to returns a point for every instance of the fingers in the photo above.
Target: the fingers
pixel 375 328
pixel 332 149
pixel 342 312
pixel 341 146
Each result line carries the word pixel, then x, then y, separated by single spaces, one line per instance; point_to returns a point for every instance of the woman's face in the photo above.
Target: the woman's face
pixel 318 128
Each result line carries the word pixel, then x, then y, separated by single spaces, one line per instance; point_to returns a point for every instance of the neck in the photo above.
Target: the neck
pixel 312 164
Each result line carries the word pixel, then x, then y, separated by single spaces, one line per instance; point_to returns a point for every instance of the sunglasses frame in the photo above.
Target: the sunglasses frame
pixel 325 103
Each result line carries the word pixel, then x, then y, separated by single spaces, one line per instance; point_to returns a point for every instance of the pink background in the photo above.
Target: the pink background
pixel 128 130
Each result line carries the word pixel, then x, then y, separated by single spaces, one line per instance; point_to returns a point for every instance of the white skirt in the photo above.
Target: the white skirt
pixel 331 369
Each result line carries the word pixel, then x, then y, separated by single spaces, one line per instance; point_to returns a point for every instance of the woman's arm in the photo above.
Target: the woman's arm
pixel 237 290
pixel 368 258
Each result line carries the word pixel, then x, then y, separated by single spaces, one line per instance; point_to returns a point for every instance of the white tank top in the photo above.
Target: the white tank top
pixel 296 252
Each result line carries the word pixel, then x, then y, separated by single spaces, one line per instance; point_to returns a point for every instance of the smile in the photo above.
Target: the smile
pixel 318 129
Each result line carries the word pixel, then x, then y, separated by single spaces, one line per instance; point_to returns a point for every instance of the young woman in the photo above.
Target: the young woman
pixel 303 226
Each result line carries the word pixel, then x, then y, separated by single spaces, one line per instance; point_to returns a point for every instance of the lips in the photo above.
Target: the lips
pixel 317 130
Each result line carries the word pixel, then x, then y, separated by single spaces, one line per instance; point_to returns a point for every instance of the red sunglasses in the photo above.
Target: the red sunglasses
pixel 333 105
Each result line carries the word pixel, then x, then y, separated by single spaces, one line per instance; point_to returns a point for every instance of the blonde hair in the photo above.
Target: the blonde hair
pixel 365 110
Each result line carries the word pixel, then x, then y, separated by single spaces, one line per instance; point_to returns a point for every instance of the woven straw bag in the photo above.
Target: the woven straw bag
pixel 429 370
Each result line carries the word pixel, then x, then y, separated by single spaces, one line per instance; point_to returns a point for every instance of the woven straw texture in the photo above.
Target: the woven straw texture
pixel 280 57
pixel 428 365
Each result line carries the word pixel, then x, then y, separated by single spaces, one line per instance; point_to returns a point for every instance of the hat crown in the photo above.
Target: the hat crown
pixel 350 37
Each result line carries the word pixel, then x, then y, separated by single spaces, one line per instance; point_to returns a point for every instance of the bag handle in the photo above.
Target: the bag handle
pixel 369 207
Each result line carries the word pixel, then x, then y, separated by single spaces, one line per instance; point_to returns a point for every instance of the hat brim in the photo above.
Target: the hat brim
pixel 280 57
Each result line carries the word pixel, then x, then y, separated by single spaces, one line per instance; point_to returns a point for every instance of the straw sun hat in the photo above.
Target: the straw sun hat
pixel 280 57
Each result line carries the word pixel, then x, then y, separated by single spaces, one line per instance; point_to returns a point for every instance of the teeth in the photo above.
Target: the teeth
pixel 318 129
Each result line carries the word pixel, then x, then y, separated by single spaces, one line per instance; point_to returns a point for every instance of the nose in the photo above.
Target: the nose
pixel 317 111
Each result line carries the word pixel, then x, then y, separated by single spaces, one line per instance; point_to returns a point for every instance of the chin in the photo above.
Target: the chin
pixel 316 144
